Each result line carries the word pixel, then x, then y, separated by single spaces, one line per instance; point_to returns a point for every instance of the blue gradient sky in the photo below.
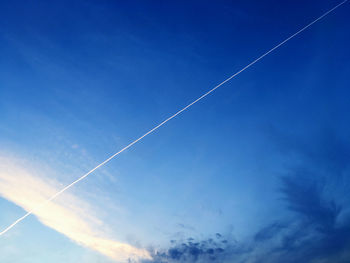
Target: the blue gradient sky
pixel 81 79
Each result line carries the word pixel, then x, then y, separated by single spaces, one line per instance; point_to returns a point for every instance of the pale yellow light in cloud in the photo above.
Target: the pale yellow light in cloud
pixel 68 214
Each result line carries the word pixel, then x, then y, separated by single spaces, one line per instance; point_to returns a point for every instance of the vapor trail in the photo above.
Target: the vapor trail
pixel 168 119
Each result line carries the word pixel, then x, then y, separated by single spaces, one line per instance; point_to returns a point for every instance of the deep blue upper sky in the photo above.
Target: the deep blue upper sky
pixel 264 156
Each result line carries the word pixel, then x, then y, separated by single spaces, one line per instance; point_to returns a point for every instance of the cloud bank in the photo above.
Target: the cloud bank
pixel 68 214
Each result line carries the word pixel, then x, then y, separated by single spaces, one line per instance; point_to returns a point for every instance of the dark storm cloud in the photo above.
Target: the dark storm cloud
pixel 318 230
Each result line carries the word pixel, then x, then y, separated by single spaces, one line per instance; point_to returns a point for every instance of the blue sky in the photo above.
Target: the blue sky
pixel 234 179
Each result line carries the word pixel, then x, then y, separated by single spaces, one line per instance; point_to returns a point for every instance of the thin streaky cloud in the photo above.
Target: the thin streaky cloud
pixel 44 203
pixel 68 215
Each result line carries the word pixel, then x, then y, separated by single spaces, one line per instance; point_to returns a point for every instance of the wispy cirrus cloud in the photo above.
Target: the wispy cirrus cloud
pixel 68 215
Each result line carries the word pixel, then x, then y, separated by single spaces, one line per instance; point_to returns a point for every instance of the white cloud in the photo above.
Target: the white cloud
pixel 68 214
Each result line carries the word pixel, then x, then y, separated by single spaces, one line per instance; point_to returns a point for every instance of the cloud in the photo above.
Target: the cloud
pixel 314 235
pixel 304 196
pixel 210 250
pixel 68 214
pixel 314 192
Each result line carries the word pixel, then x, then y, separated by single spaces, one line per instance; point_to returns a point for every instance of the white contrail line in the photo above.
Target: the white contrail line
pixel 168 119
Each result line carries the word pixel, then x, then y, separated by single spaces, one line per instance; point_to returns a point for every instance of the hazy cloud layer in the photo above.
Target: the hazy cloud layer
pixel 68 215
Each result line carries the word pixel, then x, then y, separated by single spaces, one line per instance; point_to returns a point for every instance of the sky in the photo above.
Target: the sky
pixel 258 171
